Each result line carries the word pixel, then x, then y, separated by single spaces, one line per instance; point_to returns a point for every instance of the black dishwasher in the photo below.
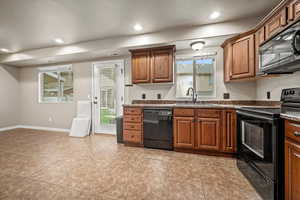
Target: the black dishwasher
pixel 158 128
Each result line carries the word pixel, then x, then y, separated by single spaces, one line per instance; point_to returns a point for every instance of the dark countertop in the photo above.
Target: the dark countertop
pixel 204 105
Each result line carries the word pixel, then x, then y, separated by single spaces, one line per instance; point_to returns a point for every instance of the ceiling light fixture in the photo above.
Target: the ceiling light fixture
pixel 138 27
pixel 4 50
pixel 215 15
pixel 59 41
pixel 196 46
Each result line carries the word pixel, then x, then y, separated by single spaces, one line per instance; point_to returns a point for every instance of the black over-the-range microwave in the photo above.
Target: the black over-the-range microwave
pixel 281 54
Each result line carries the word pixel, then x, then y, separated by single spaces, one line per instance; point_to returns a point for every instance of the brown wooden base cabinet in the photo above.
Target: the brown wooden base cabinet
pixel 207 130
pixel 292 160
pixel 184 132
pixel 133 126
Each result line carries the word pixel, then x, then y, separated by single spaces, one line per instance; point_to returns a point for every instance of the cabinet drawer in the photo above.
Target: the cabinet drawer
pixel 209 113
pixel 182 112
pixel 133 118
pixel 133 126
pixel 292 130
pixel 132 136
pixel 132 111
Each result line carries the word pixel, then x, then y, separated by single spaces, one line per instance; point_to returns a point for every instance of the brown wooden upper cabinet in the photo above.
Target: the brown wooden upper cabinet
pixel 241 53
pixel 294 10
pixel 239 60
pixel 259 39
pixel 276 23
pixel 140 67
pixel 153 65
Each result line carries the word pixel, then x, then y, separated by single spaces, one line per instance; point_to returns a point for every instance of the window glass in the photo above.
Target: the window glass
pixel 56 85
pixel 198 73
pixel 66 83
pixel 184 77
pixel 204 76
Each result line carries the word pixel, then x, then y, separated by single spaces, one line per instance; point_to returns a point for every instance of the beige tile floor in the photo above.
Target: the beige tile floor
pixel 48 165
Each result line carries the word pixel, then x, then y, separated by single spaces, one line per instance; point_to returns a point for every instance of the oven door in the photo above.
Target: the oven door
pixel 255 142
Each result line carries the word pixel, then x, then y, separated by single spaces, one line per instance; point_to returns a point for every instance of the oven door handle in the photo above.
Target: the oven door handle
pixel 253 115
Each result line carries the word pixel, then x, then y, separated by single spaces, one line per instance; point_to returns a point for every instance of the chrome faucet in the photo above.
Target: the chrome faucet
pixel 194 94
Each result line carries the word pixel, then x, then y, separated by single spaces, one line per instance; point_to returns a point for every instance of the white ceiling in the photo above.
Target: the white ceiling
pixel 30 24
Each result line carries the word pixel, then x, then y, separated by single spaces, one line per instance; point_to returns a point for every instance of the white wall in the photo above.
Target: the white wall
pixel 275 85
pixel 9 96
pixel 38 114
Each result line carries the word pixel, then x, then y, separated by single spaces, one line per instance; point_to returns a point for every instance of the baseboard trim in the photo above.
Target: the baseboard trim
pixel 35 128
pixel 44 128
pixel 8 128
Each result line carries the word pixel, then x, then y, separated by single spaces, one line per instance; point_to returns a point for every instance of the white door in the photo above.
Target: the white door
pixel 108 96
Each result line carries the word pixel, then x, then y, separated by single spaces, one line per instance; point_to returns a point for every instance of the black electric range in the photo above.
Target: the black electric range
pixel 260 139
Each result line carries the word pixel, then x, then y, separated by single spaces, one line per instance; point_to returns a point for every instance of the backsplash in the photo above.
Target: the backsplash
pixel 274 85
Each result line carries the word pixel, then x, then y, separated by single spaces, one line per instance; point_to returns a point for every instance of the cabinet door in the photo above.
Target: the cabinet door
pixel 292 171
pixel 141 67
pixel 294 10
pixel 227 62
pixel 243 58
pixel 208 134
pixel 184 132
pixel 162 65
pixel 229 131
pixel 276 23
pixel 259 39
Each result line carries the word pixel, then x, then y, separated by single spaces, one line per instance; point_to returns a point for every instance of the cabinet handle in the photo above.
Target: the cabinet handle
pixel 296 133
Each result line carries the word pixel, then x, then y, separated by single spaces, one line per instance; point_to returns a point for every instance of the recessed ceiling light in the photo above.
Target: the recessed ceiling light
pixel 4 50
pixel 215 15
pixel 138 27
pixel 196 46
pixel 59 41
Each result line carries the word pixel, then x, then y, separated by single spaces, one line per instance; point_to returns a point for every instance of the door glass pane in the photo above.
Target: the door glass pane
pixel 107 96
pixel 66 84
pixel 205 77
pixel 253 138
pixel 184 76
pixel 50 86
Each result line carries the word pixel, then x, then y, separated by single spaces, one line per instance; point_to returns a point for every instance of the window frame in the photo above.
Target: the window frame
pixel 58 69
pixel 194 58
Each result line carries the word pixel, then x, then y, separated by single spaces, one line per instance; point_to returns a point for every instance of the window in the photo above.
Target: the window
pixel 56 84
pixel 198 73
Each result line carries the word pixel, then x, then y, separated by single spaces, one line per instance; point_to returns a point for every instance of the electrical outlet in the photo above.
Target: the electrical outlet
pixel 143 96
pixel 50 119
pixel 226 96
pixel 158 96
pixel 268 95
